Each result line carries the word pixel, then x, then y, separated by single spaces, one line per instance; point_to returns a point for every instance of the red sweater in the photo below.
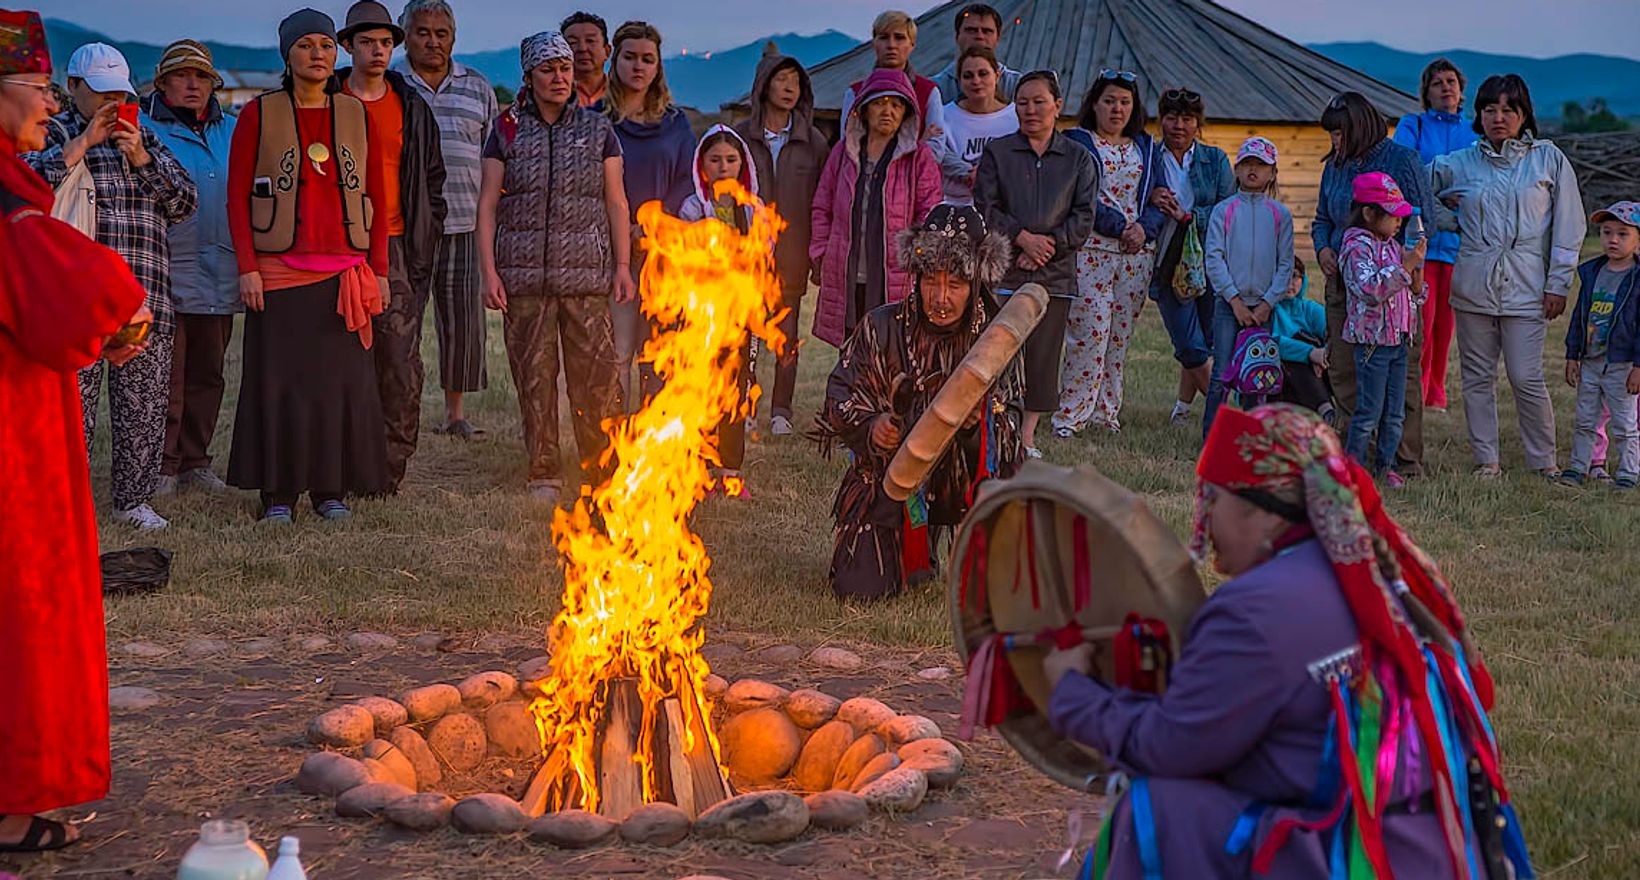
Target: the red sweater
pixel 319 227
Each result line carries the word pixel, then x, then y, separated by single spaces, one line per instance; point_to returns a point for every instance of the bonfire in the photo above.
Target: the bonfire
pixel 623 717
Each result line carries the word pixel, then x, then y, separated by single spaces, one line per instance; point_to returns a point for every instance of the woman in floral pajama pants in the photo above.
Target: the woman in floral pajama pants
pixel 1111 288
pixel 1112 274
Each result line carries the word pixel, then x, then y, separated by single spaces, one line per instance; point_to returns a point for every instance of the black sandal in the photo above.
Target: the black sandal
pixel 42 835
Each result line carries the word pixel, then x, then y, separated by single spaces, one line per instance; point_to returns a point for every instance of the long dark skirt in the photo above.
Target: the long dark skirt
pixel 309 417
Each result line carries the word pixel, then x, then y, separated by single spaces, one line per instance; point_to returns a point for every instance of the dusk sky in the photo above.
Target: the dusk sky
pixel 1539 28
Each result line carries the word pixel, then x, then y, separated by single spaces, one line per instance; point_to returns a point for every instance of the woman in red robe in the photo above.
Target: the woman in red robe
pixel 61 297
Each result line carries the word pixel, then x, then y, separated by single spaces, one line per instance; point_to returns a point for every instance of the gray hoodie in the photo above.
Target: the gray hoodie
pixel 1249 249
pixel 788 184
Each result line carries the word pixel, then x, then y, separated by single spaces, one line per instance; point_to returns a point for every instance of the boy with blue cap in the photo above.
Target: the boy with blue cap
pixel 1603 346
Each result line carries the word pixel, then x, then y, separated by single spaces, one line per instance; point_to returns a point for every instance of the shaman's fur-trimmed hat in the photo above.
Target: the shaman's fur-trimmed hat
pixel 953 238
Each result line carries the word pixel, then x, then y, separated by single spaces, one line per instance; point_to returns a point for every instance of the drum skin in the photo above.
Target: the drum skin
pixel 1135 564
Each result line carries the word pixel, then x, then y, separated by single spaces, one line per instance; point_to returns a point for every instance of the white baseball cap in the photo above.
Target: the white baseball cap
pixel 102 67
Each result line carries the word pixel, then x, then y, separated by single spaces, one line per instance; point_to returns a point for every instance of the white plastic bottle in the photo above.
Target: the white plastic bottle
pixel 225 851
pixel 289 864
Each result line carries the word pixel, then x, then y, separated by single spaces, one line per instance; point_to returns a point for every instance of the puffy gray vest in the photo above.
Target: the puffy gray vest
pixel 552 224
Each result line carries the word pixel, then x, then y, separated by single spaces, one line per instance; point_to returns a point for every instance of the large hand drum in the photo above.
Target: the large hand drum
pixel 1053 547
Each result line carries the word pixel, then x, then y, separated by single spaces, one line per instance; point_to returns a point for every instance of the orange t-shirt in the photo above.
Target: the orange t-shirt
pixel 386 116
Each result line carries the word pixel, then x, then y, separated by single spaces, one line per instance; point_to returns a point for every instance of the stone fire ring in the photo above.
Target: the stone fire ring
pixel 802 758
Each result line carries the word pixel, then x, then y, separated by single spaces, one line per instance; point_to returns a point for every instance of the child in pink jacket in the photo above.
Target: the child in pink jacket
pixel 1384 287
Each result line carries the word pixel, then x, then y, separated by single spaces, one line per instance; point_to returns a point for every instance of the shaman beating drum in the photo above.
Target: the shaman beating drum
pixel 1057 550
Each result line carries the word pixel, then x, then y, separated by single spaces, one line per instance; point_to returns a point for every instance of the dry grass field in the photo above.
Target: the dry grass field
pixel 1549 576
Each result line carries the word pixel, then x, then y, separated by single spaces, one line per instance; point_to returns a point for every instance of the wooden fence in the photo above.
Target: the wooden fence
pixel 1607 165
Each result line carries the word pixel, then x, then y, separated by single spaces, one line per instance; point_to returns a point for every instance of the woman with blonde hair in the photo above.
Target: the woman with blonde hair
pixel 893 38
pixel 658 147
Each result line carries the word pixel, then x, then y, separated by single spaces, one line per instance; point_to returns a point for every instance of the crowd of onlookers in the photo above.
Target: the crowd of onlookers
pixel 331 210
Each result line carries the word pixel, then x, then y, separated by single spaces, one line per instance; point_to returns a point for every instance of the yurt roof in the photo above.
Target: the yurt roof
pixel 1243 70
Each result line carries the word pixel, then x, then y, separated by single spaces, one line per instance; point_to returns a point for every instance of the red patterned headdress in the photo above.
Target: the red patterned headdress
pixel 23 43
pixel 1280 446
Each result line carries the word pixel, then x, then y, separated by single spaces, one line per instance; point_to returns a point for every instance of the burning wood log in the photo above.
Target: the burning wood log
pixel 669 744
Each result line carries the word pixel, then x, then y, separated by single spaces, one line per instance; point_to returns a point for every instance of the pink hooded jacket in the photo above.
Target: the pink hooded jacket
pixel 911 189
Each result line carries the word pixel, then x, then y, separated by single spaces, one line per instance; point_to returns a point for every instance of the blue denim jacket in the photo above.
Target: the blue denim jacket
pixel 204 275
pixel 1332 209
pixel 1212 180
pixel 1433 134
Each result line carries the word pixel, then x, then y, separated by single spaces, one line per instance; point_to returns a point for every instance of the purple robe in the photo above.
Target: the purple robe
pixel 1243 721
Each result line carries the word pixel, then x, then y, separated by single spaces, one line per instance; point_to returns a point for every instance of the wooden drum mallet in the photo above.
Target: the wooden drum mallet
pixel 963 390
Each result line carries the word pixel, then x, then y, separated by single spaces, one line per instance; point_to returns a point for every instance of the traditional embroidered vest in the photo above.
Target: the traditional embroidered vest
pixel 279 158
pixel 552 226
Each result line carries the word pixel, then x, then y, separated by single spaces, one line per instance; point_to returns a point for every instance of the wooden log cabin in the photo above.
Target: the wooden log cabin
pixel 1252 80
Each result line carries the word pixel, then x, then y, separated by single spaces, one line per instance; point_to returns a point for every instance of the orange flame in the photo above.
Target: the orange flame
pixel 635 575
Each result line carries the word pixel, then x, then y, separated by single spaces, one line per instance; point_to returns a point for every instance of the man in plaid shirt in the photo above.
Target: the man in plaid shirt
pixel 141 191
pixel 464 105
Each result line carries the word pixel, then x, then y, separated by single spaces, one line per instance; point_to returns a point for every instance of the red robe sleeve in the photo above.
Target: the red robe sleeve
pixel 247 134
pixel 61 294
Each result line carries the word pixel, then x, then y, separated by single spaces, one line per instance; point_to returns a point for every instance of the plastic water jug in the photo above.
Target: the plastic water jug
pixel 225 851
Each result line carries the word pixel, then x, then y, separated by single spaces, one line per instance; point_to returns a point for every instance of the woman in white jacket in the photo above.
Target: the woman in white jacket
pixel 1515 201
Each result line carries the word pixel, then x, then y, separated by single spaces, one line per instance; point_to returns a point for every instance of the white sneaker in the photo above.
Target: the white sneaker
pixel 201 478
pixel 167 485
pixel 143 518
pixel 780 426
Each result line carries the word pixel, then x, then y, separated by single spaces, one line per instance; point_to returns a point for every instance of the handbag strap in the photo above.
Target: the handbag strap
pixel 79 174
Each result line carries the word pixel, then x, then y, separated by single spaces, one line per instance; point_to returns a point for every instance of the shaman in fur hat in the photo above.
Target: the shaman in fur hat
pixel 952 245
pixel 891 368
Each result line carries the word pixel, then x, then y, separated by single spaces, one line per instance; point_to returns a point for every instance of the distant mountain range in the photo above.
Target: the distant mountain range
pixel 1554 81
pixel 704 81
pixel 64 37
